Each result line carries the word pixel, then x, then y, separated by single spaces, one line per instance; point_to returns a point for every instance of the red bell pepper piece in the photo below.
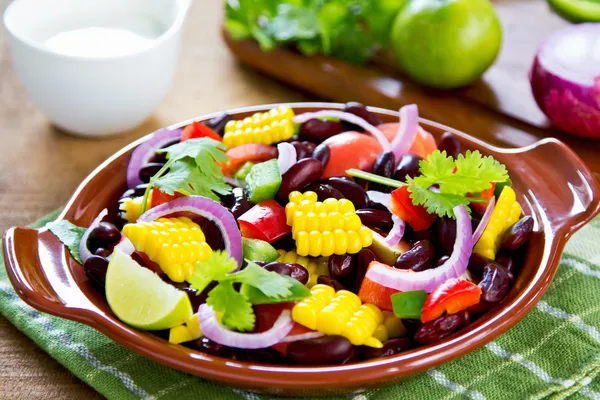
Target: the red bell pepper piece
pixel 375 293
pixel 480 207
pixel 239 155
pixel 452 296
pixel 416 216
pixel 159 197
pixel 265 221
pixel 197 130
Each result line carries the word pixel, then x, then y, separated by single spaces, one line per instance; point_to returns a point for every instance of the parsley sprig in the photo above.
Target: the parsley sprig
pixel 258 286
pixel 468 174
pixel 191 169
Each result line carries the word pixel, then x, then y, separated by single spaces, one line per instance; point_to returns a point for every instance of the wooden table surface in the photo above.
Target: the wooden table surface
pixel 42 166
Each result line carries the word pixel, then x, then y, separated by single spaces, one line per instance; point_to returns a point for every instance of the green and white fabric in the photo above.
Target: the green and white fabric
pixel 553 353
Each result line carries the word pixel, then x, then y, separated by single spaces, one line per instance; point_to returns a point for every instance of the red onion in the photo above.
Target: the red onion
pixel 353 119
pixel 125 246
pixel 484 220
pixel 428 280
pixel 565 79
pixel 212 329
pixel 84 253
pixel 208 209
pixel 407 131
pixel 302 336
pixel 397 231
pixel 385 199
pixel 287 156
pixel 144 152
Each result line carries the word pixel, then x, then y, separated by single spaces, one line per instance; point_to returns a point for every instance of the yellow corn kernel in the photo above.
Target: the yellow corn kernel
pixel 306 311
pixel 506 211
pixel 268 128
pixel 296 197
pixel 175 244
pixel 354 242
pixel 328 244
pixel 366 236
pixel 315 238
pixel 131 209
pixel 332 205
pixel 341 313
pixel 394 326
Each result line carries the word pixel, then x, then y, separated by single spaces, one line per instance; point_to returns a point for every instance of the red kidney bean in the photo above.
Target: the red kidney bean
pixel 104 235
pixel 507 262
pixel 103 252
pixel 518 234
pixel 324 191
pixel 408 165
pixel 299 175
pixel 309 147
pixel 241 204
pixel 449 142
pixel 149 170
pixel 340 266
pixel 267 356
pixel 375 218
pixel 296 271
pixel 495 284
pixel 391 347
pixel 212 233
pixel 351 190
pixel 322 153
pixel 195 299
pixel 434 331
pixel 477 263
pixel 300 150
pixel 207 346
pixel 321 351
pixel 377 206
pixel 363 259
pixel 95 268
pixel 446 233
pixel 411 325
pixel 360 110
pixel 326 280
pixel 218 123
pixel 441 261
pixel 384 164
pixel 420 257
pixel 316 130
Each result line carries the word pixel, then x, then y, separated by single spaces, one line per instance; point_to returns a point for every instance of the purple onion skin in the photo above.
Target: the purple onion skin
pixel 572 107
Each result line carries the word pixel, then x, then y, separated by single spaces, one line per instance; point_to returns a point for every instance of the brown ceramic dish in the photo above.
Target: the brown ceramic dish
pixel 552 183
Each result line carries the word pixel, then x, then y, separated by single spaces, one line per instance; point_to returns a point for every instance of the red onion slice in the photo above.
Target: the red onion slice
pixel 124 246
pixel 396 233
pixel 212 329
pixel 302 336
pixel 84 253
pixel 208 209
pixel 144 152
pixel 287 156
pixel 428 280
pixel 384 199
pixel 353 119
pixel 484 220
pixel 407 131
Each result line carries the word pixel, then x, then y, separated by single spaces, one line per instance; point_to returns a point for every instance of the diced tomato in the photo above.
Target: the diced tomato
pixel 265 221
pixel 350 150
pixel 450 297
pixel 197 130
pixel 416 216
pixel 254 152
pixel 423 145
pixel 267 314
pixel 375 293
pixel 480 207
pixel 159 197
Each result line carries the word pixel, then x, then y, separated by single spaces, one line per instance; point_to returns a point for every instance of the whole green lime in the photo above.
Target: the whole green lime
pixel 446 43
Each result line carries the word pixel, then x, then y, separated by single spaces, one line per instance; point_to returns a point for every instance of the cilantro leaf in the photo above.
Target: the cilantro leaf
pixel 185 177
pixel 270 283
pixel 297 292
pixel 435 203
pixel 214 268
pixel 235 308
pixel 201 150
pixel 70 235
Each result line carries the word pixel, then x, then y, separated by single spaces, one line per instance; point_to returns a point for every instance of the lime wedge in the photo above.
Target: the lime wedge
pixel 141 299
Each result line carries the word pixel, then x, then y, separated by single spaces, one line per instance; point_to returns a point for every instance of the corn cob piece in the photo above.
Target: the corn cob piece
pixel 131 209
pixel 325 228
pixel 339 313
pixel 505 214
pixel 268 128
pixel 315 266
pixel 175 244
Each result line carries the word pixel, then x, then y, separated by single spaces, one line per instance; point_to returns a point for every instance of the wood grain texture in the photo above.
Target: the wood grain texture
pixel 42 166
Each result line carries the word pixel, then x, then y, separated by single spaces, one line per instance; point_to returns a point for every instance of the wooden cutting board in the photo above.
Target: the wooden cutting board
pixel 499 108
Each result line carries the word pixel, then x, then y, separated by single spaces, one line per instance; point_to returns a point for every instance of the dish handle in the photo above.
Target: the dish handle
pixel 557 183
pixel 36 266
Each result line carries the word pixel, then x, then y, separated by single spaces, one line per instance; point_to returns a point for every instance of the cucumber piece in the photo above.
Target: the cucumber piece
pixel 258 250
pixel 263 181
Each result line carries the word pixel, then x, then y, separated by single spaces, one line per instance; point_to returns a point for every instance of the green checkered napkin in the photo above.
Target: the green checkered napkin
pixel 553 353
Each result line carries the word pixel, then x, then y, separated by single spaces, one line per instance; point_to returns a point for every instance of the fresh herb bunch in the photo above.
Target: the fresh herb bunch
pixel 191 169
pixel 258 286
pixel 348 29
pixel 70 235
pixel 458 180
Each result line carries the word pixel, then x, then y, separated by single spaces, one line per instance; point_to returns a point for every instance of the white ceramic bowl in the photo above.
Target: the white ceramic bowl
pixel 98 95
